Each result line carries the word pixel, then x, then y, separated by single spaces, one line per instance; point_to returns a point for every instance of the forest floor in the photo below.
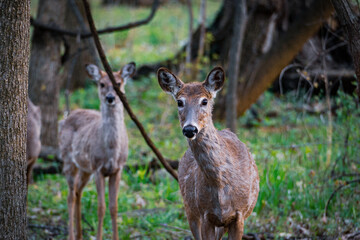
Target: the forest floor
pixel 303 157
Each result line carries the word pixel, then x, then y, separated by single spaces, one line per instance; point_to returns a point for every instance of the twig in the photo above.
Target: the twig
pixel 127 26
pixel 176 228
pixel 336 190
pixel 91 228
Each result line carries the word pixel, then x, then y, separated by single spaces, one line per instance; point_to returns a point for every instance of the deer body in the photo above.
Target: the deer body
pixel 33 143
pixel 95 143
pixel 218 177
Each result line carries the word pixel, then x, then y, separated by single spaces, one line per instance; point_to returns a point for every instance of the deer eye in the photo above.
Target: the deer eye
pixel 118 84
pixel 204 102
pixel 102 85
pixel 180 103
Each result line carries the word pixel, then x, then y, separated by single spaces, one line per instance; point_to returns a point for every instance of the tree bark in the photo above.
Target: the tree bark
pixel 287 46
pixel 45 63
pixel 14 63
pixel 351 24
pixel 234 63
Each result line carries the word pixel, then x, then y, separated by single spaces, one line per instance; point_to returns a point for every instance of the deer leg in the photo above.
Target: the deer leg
pixel 83 178
pixel 70 172
pixel 194 223
pixel 114 181
pixel 219 232
pixel 30 165
pixel 207 230
pixel 100 187
pixel 236 228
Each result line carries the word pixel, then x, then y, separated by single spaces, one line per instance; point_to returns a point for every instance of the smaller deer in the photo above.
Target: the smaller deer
pixel 33 144
pixel 93 142
pixel 218 177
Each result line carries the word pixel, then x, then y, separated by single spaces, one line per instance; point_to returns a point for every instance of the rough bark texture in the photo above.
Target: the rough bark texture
pixel 351 24
pixel 14 63
pixel 234 63
pixel 45 63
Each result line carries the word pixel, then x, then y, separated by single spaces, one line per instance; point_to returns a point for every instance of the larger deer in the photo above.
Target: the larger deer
pixel 96 143
pixel 218 177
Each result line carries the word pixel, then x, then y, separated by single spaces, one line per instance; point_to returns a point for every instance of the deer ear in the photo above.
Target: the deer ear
pixel 214 81
pixel 128 71
pixel 93 72
pixel 169 82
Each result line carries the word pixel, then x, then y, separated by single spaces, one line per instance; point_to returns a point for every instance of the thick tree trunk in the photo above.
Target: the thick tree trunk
pixel 286 47
pixel 14 63
pixel 351 24
pixel 80 52
pixel 45 63
pixel 234 63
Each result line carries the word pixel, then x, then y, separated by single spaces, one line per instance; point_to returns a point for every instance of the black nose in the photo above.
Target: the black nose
pixel 190 131
pixel 110 98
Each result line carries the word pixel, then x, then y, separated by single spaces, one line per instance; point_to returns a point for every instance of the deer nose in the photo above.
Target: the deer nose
pixel 110 98
pixel 190 131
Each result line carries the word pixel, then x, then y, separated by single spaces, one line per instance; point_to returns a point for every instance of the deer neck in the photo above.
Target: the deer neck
pixel 208 153
pixel 112 124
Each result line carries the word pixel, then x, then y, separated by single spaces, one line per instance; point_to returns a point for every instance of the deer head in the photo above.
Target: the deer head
pixel 195 100
pixel 106 91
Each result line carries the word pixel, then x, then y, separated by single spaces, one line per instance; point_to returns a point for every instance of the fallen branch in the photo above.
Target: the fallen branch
pixel 122 95
pixel 84 35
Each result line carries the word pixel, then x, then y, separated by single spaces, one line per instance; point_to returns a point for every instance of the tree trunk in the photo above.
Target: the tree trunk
pixel 351 24
pixel 80 52
pixel 287 46
pixel 45 63
pixel 234 63
pixel 14 63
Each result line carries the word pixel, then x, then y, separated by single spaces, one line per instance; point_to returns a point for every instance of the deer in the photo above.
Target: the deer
pixel 33 143
pixel 218 177
pixel 96 143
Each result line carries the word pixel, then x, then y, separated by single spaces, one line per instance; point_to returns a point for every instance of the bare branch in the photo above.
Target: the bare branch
pixel 84 35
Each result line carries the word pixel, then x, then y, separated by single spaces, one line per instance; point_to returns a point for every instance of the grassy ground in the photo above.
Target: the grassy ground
pixel 298 166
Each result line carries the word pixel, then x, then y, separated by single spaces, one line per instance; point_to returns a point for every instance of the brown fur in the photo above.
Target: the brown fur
pixel 33 143
pixel 93 142
pixel 218 177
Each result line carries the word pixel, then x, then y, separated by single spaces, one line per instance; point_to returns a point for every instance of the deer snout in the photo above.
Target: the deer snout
pixel 190 131
pixel 110 98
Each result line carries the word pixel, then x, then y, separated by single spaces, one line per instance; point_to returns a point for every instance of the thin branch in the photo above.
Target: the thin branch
pixel 127 26
pixel 122 95
pixel 336 190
